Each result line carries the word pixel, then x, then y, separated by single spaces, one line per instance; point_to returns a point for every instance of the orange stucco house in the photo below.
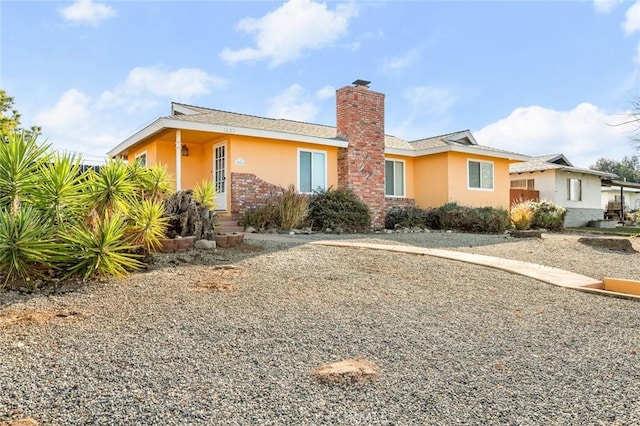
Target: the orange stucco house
pixel 252 158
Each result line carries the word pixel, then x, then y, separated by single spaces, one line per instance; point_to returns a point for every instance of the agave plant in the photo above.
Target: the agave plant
pixel 101 249
pixel 205 194
pixel 20 158
pixel 26 243
pixel 148 224
pixel 112 189
pixel 61 193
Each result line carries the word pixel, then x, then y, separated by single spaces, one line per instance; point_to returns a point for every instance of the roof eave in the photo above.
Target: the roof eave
pixel 467 149
pixel 168 123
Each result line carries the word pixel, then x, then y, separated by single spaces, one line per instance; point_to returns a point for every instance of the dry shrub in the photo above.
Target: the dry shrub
pixel 521 215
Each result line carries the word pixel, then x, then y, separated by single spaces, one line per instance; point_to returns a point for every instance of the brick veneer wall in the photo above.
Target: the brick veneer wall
pixel 249 191
pixel 404 203
pixel 360 119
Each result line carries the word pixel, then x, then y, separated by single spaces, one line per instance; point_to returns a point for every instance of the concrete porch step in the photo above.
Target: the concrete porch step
pixel 228 224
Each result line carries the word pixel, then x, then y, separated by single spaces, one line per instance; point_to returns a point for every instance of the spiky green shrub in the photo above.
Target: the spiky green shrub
pixel 339 210
pixel 61 192
pixel 204 194
pixel 101 250
pixel 20 158
pixel 521 215
pixel 548 215
pixel 155 181
pixel 147 224
pixel 292 209
pixel 27 246
pixel 112 189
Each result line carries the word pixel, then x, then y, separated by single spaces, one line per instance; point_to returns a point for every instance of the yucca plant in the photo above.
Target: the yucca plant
pixel 26 243
pixel 101 249
pixel 205 194
pixel 61 192
pixel 156 182
pixel 112 189
pixel 521 215
pixel 148 224
pixel 20 157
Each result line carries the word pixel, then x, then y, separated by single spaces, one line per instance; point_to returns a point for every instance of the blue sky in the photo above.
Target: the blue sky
pixel 531 77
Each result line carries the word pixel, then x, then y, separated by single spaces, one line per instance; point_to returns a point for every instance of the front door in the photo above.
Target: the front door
pixel 220 175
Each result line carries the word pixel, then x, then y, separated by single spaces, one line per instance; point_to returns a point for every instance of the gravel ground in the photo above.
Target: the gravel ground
pixel 455 343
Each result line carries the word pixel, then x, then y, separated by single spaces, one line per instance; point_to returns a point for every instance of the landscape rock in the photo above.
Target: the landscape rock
pixel 356 370
pixel 205 245
pixel 615 244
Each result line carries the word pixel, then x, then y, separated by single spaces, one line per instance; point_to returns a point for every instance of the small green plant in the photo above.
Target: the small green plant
pixel 292 208
pixel 339 210
pixel 521 215
pixel 205 194
pixel 548 215
pixel 633 217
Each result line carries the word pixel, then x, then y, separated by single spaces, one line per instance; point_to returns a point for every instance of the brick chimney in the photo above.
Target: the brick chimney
pixel 360 119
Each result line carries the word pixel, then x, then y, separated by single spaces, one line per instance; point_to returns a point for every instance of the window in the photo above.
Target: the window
pixel 394 178
pixel 480 175
pixel 312 171
pixel 142 158
pixel 574 189
pixel 523 184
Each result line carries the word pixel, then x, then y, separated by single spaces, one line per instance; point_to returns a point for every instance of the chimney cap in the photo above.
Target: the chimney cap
pixel 364 83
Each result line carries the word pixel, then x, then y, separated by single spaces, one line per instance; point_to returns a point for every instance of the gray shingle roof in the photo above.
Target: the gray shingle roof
pixel 226 118
pixel 541 163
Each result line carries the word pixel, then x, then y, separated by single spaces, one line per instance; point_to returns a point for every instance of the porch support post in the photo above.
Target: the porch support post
pixel 178 160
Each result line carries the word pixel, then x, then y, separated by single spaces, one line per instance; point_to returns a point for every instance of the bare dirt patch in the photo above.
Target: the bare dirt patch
pixel 25 421
pixel 218 282
pixel 34 316
pixel 356 370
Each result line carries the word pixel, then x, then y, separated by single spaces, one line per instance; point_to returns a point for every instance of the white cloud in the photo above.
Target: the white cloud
pixel 434 100
pixel 144 86
pixel 584 133
pixel 605 6
pixel 401 62
pixel 326 92
pixel 81 123
pixel 87 12
pixel 632 19
pixel 294 103
pixel 285 33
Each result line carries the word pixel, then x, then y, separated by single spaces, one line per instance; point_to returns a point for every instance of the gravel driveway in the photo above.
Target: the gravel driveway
pixel 455 343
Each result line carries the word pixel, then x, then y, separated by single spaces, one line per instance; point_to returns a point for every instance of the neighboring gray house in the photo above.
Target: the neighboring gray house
pixel 557 180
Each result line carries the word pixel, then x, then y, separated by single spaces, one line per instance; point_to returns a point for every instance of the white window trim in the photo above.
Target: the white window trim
pixel 298 168
pixel 146 157
pixel 404 177
pixel 493 176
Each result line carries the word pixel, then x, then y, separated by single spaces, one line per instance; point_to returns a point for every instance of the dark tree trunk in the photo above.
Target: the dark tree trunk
pixel 188 218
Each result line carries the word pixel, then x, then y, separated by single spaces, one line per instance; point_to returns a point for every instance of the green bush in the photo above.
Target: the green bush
pixel 548 216
pixel 634 217
pixel 411 217
pixel 468 219
pixel 262 217
pixel 339 210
